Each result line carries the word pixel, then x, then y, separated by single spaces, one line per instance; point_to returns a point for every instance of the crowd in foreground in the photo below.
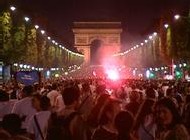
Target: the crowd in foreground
pixel 95 109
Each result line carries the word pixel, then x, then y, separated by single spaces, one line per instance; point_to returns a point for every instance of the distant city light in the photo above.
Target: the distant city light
pixel 42 31
pixel 155 33
pixel 13 8
pixel 66 73
pixel 53 41
pixel 184 64
pixel 26 19
pixel 36 26
pixel 49 38
pixel 148 74
pixel 166 26
pixel 150 37
pixel 15 64
pixel 21 65
pixel 56 75
pixel 177 17
pixel 174 66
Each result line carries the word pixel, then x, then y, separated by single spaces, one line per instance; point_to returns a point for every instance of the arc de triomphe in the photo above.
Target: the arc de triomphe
pixel 106 32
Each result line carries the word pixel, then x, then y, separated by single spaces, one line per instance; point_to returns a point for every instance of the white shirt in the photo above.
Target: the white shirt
pixel 42 118
pixel 52 95
pixel 6 108
pixel 24 108
pixel 59 104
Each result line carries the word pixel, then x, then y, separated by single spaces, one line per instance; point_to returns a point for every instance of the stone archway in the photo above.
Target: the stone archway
pixel 85 33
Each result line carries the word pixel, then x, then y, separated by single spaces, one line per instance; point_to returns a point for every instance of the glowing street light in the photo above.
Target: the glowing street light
pixel 42 31
pixel 49 38
pixel 145 41
pixel 177 17
pixel 142 44
pixel 150 37
pixel 36 26
pixel 26 19
pixel 155 33
pixel 166 26
pixel 184 64
pixel 13 8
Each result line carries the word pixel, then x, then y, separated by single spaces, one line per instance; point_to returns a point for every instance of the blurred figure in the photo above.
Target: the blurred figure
pixel 39 122
pixel 124 123
pixel 186 113
pixel 133 105
pixel 24 106
pixel 12 124
pixel 169 121
pixel 106 129
pixel 145 126
pixel 67 124
pixel 53 94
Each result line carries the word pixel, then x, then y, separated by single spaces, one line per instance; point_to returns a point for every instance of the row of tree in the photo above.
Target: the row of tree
pixel 20 42
pixel 175 40
pixel 170 44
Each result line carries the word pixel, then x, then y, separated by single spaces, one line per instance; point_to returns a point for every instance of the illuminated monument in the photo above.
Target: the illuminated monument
pixel 97 39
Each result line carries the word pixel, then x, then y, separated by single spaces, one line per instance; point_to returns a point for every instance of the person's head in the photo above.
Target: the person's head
pixel 109 112
pixel 145 109
pixel 124 123
pixel 54 86
pixel 40 103
pixel 150 93
pixel 28 90
pixel 167 113
pixel 12 124
pixel 70 95
pixel 170 92
pixel 45 103
pixel 134 96
pixel 179 100
pixel 3 96
pixel 187 99
pixel 86 87
pixel 92 119
pixel 101 89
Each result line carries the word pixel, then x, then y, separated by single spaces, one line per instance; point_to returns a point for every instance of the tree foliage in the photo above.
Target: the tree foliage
pixel 20 42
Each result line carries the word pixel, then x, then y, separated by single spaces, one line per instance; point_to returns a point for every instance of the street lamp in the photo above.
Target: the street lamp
pixel 150 37
pixel 36 26
pixel 155 33
pixel 13 8
pixel 26 19
pixel 166 26
pixel 42 31
pixel 177 17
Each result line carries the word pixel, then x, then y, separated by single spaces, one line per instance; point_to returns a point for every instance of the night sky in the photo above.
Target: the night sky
pixel 137 16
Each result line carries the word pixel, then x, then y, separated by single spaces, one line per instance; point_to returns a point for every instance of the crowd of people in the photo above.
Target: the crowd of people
pixel 95 109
